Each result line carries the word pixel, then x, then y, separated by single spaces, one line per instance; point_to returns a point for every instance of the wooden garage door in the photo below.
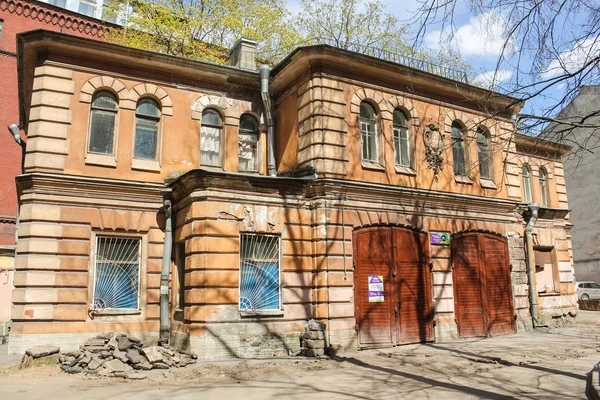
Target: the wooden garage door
pixel 482 286
pixel 405 315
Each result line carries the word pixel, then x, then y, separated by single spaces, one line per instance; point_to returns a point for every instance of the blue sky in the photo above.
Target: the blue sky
pixel 479 39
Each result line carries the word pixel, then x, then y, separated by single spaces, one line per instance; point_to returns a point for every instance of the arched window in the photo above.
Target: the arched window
pixel 248 144
pixel 401 141
pixel 543 178
pixel 368 132
pixel 458 149
pixel 102 123
pixel 526 184
pixel 483 154
pixel 211 138
pixel 147 116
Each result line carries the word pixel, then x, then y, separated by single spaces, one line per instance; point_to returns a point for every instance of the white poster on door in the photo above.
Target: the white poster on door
pixel 375 288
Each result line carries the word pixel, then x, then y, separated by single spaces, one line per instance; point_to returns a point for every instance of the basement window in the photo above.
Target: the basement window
pixel 260 277
pixel 117 274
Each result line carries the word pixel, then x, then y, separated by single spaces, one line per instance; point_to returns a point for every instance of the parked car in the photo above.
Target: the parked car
pixel 588 290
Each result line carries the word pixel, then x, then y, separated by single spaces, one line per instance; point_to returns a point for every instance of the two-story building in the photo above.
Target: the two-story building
pixel 385 201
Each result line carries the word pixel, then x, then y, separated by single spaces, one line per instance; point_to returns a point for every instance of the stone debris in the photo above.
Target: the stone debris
pixel 112 355
pixel 312 339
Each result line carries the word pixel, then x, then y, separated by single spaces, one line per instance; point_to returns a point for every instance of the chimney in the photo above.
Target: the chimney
pixel 242 54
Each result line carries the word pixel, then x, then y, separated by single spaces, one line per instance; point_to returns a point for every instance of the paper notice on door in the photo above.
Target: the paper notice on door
pixel 375 288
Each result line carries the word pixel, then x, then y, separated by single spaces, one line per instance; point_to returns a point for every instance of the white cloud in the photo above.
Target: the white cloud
pixel 572 60
pixel 484 35
pixel 491 79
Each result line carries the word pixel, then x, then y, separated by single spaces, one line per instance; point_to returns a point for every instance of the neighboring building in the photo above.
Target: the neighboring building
pixel 18 16
pixel 379 199
pixel 583 180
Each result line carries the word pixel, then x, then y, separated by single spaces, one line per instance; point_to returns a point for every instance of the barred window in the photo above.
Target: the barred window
pixel 146 129
pixel 210 138
pixel 526 184
pixel 117 273
pixel 458 150
pixel 483 154
pixel 102 124
pixel 260 287
pixel 368 132
pixel 248 144
pixel 401 142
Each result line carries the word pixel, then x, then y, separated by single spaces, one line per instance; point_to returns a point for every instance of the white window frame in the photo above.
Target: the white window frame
pixel 97 239
pixel 398 130
pixel 279 310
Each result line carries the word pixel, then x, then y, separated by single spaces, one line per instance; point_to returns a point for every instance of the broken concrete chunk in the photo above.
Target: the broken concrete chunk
pixel 41 351
pixel 95 363
pixel 313 325
pixel 120 355
pixel 136 375
pixel 314 352
pixel 160 365
pixel 71 370
pixel 124 343
pixel 72 353
pixel 116 366
pixel 106 336
pixel 144 365
pixel 112 343
pixel 152 354
pixel 314 344
pixel 134 356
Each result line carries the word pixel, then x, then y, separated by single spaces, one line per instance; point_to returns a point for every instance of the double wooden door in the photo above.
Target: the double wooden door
pixel 401 312
pixel 482 285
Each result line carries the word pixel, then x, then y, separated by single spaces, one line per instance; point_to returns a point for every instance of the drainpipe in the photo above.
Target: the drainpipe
pixel 264 72
pixel 164 272
pixel 533 207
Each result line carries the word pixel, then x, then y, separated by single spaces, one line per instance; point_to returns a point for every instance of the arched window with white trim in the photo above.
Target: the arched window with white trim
pixel 248 144
pixel 526 172
pixel 147 123
pixel 458 149
pixel 211 138
pixel 401 139
pixel 543 179
pixel 103 116
pixel 368 133
pixel 483 154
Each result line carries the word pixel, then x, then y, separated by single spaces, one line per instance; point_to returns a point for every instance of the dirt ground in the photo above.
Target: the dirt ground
pixel 546 363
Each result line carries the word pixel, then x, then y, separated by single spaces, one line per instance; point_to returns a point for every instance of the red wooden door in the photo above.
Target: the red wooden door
pixel 400 257
pixel 498 285
pixel 415 313
pixel 372 257
pixel 468 301
pixel 482 285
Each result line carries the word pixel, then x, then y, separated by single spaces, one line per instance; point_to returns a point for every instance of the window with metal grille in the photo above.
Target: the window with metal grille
pixel 458 150
pixel 483 154
pixel 526 184
pixel 368 132
pixel 117 273
pixel 260 287
pixel 543 188
pixel 146 129
pixel 248 144
pixel 401 142
pixel 102 124
pixel 210 138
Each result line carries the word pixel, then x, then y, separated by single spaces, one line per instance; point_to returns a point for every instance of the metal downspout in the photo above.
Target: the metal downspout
pixel 264 72
pixel 534 207
pixel 164 272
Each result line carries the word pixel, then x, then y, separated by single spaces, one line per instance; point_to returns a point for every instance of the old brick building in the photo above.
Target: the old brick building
pixel 379 199
pixel 18 16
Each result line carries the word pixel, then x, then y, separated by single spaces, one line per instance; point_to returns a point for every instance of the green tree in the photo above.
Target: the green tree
pixel 202 29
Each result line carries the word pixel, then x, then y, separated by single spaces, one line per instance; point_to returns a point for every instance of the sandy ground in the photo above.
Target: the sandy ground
pixel 546 363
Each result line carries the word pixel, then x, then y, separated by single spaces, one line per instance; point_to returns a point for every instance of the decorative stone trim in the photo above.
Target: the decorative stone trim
pixel 376 98
pixel 53 17
pixel 103 82
pixel 231 109
pixel 149 89
pixel 405 105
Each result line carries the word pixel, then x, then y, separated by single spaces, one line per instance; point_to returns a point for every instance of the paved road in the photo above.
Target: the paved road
pixel 548 364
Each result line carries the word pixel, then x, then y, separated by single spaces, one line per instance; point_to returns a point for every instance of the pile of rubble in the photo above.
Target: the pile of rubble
pixel 312 340
pixel 114 356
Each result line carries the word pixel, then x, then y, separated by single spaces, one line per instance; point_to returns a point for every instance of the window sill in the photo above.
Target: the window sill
pixel 372 165
pixel 405 170
pixel 487 184
pixel 104 160
pixel 463 179
pixel 116 312
pixel 145 165
pixel 261 314
pixel 211 168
